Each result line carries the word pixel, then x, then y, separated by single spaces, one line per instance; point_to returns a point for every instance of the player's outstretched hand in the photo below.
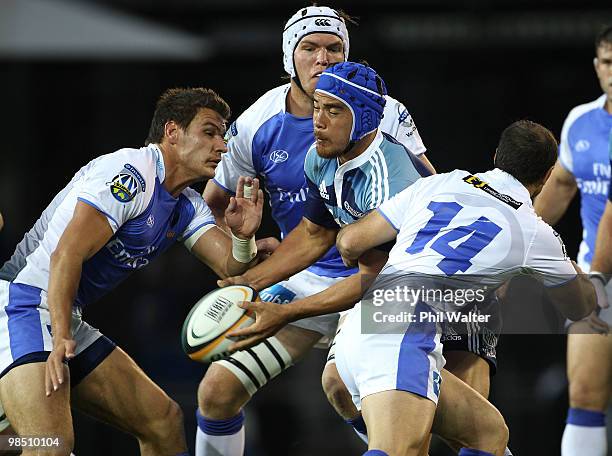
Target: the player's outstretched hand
pixel 235 280
pixel 63 349
pixel 243 213
pixel 269 319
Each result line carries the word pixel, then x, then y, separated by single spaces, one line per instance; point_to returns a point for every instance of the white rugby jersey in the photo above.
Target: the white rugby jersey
pixel 267 141
pixel 583 151
pixel 484 224
pixel 125 186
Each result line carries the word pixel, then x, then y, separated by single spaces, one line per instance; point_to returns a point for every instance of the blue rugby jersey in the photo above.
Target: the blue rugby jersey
pixel 125 186
pixel 269 142
pixel 342 194
pixel 583 151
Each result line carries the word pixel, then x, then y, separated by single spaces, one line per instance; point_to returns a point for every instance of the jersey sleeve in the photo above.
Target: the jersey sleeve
pixel 201 222
pixel 548 258
pixel 117 187
pixel 395 209
pixel 398 123
pixel 238 160
pixel 565 152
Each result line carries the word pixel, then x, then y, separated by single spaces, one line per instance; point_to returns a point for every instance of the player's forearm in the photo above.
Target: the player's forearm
pixel 299 249
pixel 217 200
pixel 576 299
pixel 64 277
pixel 341 296
pixel 554 199
pixel 602 260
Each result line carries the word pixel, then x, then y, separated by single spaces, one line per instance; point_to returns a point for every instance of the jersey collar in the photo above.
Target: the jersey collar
pixel 507 183
pixel 354 163
pixel 159 162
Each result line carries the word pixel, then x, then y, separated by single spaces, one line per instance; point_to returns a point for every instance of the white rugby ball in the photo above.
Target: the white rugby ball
pixel 213 316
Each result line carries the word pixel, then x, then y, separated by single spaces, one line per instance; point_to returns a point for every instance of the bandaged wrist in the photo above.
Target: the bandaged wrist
pixel 243 250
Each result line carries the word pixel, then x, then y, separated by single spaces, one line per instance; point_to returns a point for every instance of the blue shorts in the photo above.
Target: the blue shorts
pixel 25 333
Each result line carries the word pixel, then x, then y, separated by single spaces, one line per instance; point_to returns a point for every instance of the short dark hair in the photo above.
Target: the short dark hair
pixel 181 105
pixel 603 37
pixel 526 150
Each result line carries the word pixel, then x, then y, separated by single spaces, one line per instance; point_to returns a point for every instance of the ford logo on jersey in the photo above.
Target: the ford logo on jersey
pixel 277 294
pixel 279 156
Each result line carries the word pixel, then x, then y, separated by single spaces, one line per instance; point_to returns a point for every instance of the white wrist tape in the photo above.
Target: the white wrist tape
pixel 247 191
pixel 243 250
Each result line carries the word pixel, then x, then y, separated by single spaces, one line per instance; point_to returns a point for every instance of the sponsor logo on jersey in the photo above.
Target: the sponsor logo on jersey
pixel 126 185
pixel 479 184
pixel 582 145
pixel 278 294
pixel 279 156
pixel 134 261
pixel 292 197
pixel 150 221
pixel 323 191
pixel 354 212
pixel 405 119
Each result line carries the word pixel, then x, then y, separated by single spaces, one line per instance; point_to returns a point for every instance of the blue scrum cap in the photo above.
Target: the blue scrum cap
pixel 361 89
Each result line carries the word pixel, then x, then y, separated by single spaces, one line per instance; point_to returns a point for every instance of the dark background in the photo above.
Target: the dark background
pixel 80 79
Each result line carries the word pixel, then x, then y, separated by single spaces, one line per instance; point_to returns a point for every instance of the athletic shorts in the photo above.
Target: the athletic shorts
pixel 478 338
pixel 301 285
pixel 25 333
pixel 372 363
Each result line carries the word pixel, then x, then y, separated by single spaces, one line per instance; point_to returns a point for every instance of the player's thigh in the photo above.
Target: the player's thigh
pixel 470 368
pixel 398 422
pixel 464 418
pixel 589 368
pixel 30 411
pixel 118 392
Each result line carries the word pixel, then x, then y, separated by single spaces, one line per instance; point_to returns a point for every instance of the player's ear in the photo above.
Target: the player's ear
pixel 171 131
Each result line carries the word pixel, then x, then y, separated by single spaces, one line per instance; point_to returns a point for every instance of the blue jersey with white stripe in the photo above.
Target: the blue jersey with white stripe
pixel 125 186
pixel 269 142
pixel 583 151
pixel 342 194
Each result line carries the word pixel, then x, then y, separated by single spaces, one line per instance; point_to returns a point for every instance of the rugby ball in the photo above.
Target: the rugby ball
pixel 204 332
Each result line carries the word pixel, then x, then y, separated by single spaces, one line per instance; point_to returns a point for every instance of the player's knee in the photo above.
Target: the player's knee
pixel 164 423
pixel 494 429
pixel 337 394
pixel 220 394
pixel 584 394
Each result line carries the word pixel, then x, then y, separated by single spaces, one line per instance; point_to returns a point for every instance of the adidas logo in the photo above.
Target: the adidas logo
pixel 323 191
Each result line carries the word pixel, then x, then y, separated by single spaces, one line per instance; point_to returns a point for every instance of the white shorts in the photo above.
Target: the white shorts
pixel 25 332
pixel 301 285
pixel 372 363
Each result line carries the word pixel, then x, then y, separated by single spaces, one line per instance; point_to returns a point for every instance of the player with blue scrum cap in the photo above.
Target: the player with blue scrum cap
pixel 271 139
pixel 117 214
pixel 583 164
pixel 393 370
pixel 351 169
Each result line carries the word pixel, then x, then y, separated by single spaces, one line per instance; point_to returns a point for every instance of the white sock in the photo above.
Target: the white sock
pixel 584 441
pixel 585 434
pixel 220 437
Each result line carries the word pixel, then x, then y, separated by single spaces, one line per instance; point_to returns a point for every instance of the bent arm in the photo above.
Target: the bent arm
pixel 214 248
pixel 575 299
pixel 87 232
pixel 344 294
pixel 556 195
pixel 217 199
pixel 302 247
pixel 357 238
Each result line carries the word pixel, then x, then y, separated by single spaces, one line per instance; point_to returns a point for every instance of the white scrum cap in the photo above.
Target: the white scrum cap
pixel 312 19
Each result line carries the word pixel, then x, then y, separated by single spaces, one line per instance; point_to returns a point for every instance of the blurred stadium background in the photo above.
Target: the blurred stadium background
pixel 79 79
